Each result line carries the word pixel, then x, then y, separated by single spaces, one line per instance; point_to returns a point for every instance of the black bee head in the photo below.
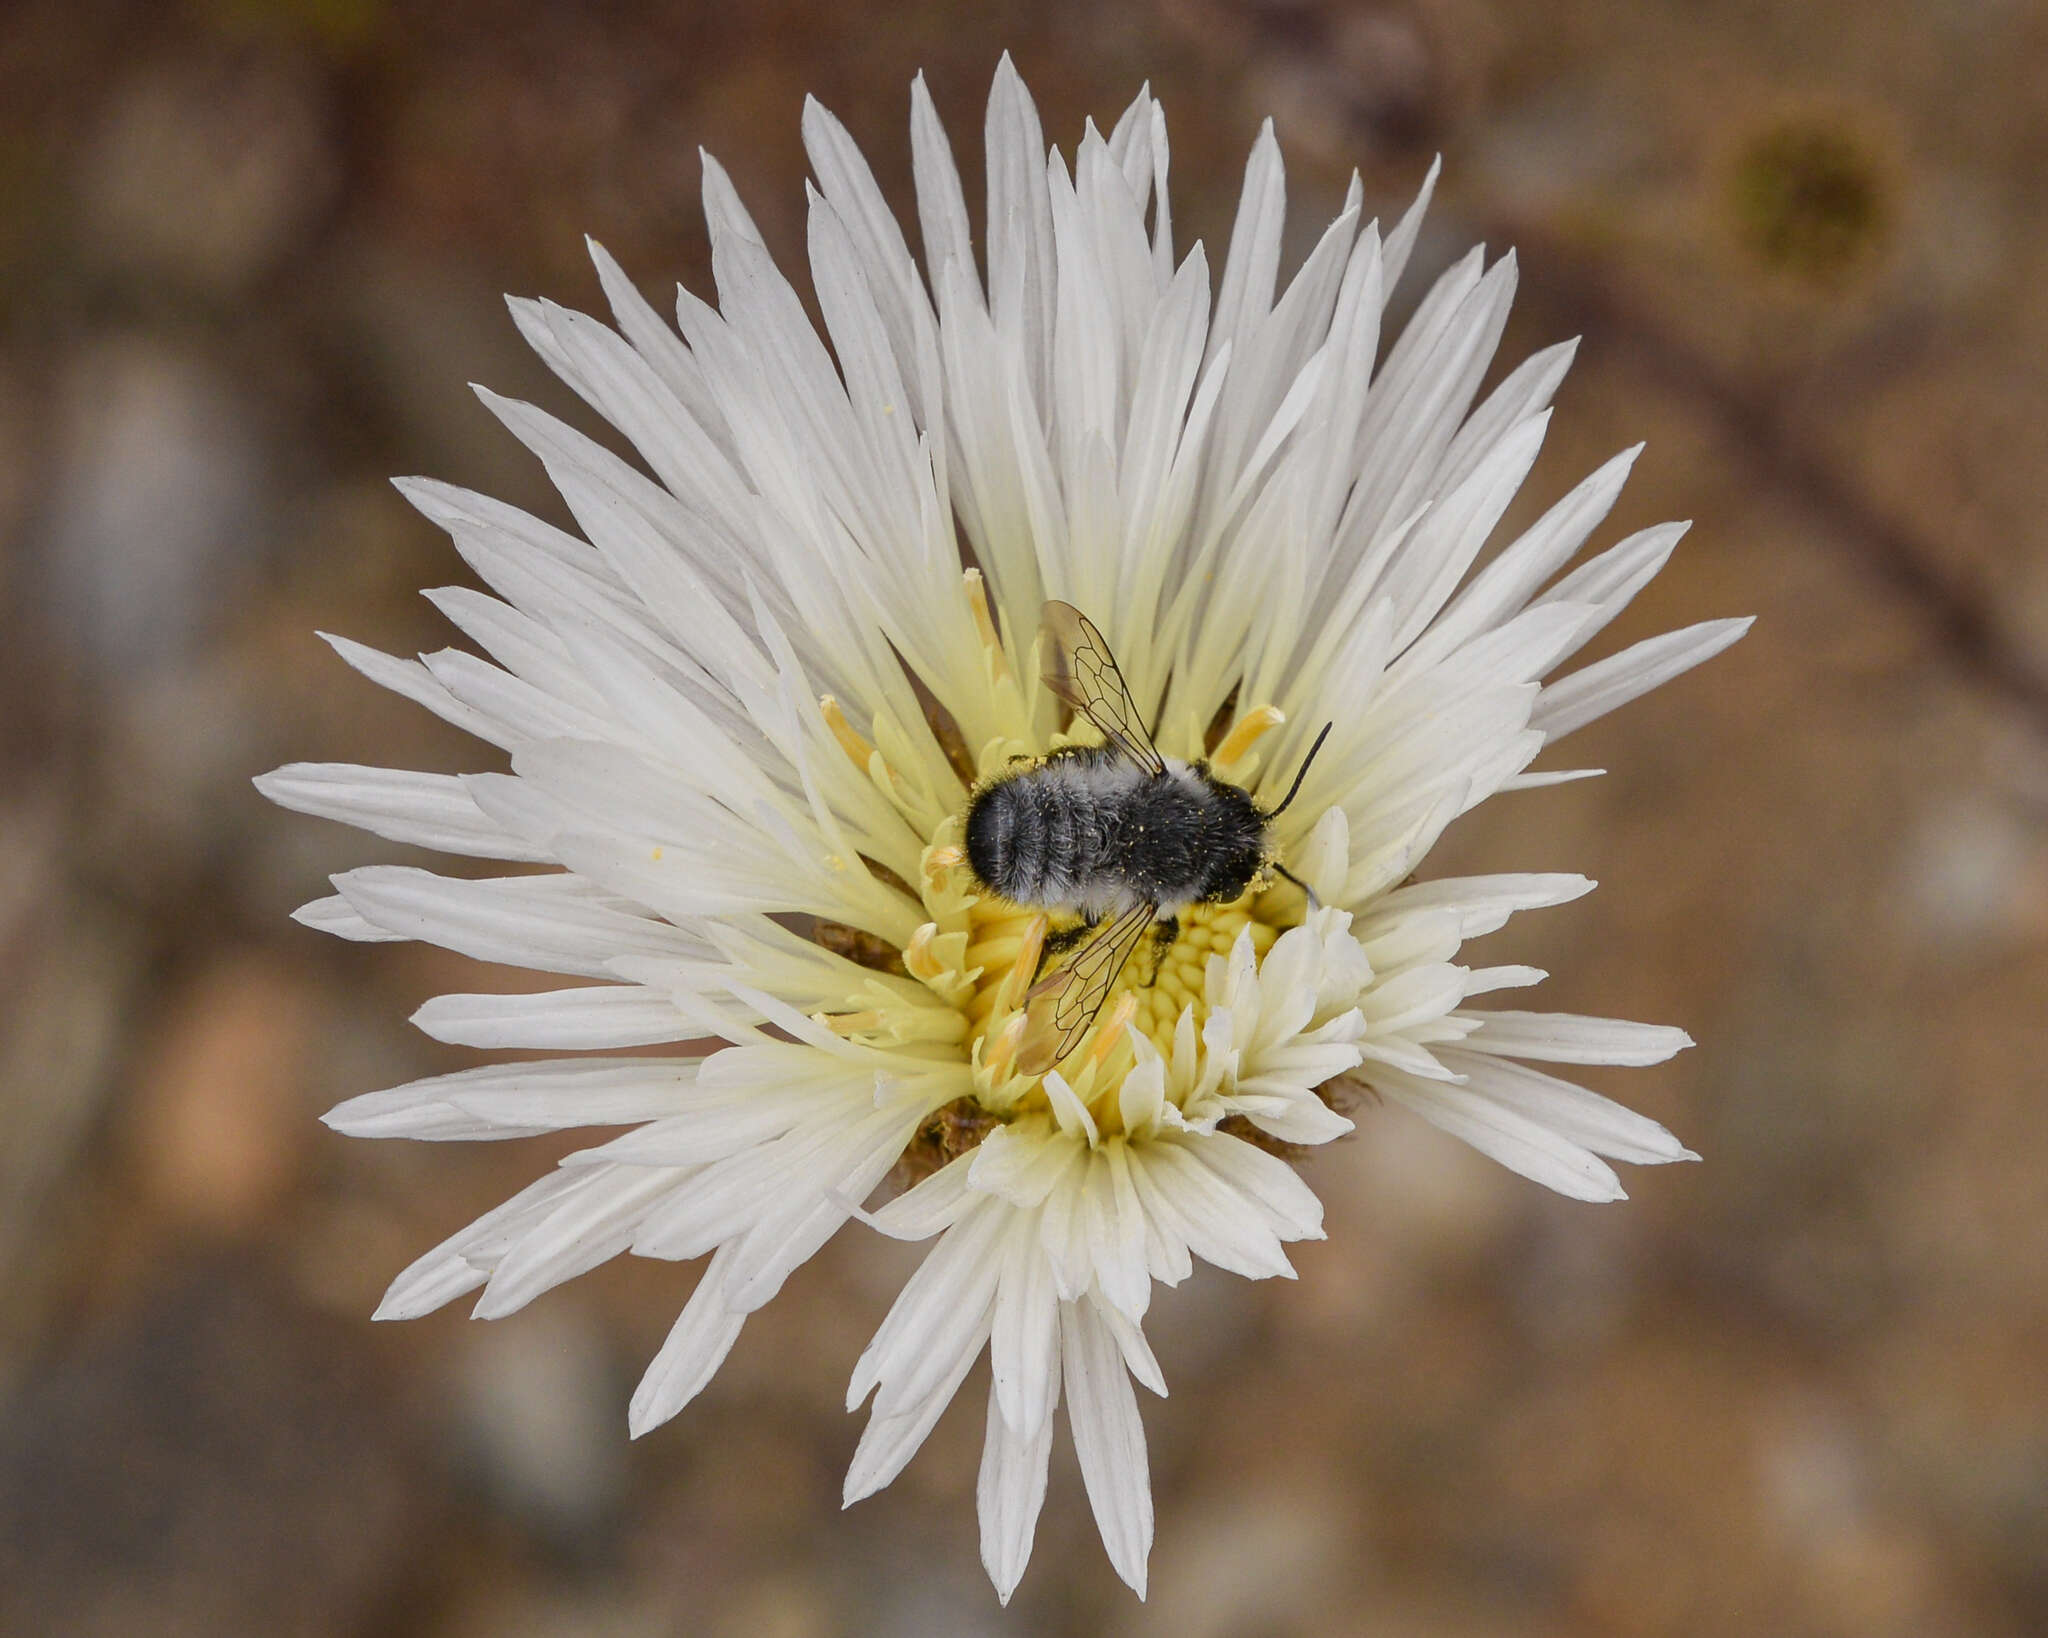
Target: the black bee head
pixel 1235 844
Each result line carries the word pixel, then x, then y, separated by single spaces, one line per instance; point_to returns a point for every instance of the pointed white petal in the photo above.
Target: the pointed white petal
pixel 1517 1141
pixel 448 1271
pixel 696 1346
pixel 1585 1118
pixel 578 1020
pixel 1599 688
pixel 1008 1495
pixel 1109 1439
pixel 888 1442
pixel 427 810
pixel 334 914
pixel 1567 1038
pixel 593 1224
pixel 514 919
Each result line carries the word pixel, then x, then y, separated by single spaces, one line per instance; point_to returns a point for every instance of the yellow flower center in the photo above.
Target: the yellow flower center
pixel 983 955
pixel 1165 973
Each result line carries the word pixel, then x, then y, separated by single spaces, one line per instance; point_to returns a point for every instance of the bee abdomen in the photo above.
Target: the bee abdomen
pixel 1033 838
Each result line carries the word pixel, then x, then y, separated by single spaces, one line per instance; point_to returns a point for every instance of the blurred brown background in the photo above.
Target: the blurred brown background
pixel 249 255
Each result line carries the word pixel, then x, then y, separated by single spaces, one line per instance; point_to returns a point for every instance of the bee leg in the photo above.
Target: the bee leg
pixel 1064 939
pixel 1164 932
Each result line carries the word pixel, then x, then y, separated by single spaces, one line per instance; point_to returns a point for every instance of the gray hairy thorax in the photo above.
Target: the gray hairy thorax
pixel 1086 831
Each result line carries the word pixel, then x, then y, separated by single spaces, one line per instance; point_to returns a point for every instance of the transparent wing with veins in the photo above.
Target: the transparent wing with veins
pixel 1080 670
pixel 1062 1005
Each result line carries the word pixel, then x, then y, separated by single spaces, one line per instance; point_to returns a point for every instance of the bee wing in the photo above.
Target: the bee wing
pixel 1080 670
pixel 1063 1004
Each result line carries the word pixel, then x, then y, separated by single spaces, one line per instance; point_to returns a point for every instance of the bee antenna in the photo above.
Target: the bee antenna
pixel 1314 903
pixel 1294 789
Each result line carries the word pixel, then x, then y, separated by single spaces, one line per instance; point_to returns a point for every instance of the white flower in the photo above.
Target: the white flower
pixel 744 712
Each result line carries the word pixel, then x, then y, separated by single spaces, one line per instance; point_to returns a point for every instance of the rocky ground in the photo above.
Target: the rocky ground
pixel 249 255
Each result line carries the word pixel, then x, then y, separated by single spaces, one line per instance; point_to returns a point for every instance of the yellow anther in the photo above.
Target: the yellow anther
pixel 1111 1029
pixel 1247 732
pixel 849 741
pixel 938 862
pixel 1010 992
pixel 918 957
pixel 984 622
pixel 1004 1047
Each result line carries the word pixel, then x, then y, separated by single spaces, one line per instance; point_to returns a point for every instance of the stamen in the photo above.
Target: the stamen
pixel 849 741
pixel 918 957
pixel 998 945
pixel 1010 992
pixel 938 861
pixel 1250 727
pixel 984 623
pixel 849 1023
pixel 1004 1047
pixel 1111 1029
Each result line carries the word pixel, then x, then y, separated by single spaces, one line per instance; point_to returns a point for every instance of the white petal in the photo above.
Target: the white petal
pixel 1109 1439
pixel 1210 1218
pixel 1507 583
pixel 1567 1038
pixel 412 679
pixel 1253 263
pixel 1482 904
pixel 1137 1352
pixel 1611 580
pixel 592 1224
pixel 941 205
pixel 1585 1118
pixel 1022 1161
pixel 737 1189
pixel 335 915
pixel 1021 261
pixel 514 919
pixel 790 1234
pixel 507 1100
pixel 1518 1142
pixel 1024 1334
pixel 1290 1204
pixel 427 810
pixel 888 1442
pixel 1009 1493
pixel 957 1275
pixel 931 1206
pixel 1599 688
pixel 696 1346
pixel 1402 240
pixel 607 1015
pixel 447 1271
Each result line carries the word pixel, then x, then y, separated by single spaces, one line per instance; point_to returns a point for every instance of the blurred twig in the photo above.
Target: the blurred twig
pixel 1583 296
pixel 1300 46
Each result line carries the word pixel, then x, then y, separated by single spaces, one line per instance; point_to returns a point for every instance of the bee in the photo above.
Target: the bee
pixel 1116 833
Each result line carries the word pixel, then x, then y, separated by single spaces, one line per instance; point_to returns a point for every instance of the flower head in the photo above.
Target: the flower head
pixel 747 711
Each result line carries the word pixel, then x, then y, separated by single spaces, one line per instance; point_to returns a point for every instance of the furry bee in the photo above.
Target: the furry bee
pixel 1116 833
